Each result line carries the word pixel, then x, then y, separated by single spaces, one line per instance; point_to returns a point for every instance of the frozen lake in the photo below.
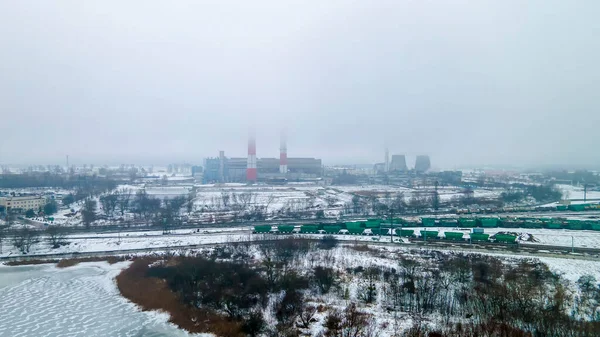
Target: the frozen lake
pixel 83 300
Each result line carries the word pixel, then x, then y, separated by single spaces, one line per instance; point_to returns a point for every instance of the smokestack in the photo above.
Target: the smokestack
pixel 283 167
pixel 251 170
pixel 222 166
pixel 387 160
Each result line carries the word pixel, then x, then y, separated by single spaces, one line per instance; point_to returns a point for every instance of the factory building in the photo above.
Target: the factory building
pixel 252 168
pixel 235 169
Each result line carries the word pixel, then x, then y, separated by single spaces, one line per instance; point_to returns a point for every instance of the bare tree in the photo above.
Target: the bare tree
pixel 24 239
pixel 368 294
pixel 351 323
pixel 124 196
pixel 2 236
pixel 246 199
pixel 189 206
pixel 225 199
pixel 325 278
pixel 306 315
pixel 109 203
pixel 10 217
pixel 356 204
pixel 56 236
pixel 88 211
pixel 270 200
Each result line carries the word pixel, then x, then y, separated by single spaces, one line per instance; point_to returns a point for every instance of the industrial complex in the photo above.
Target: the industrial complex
pixel 223 169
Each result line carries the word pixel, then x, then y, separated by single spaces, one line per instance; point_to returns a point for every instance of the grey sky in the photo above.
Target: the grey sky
pixel 467 82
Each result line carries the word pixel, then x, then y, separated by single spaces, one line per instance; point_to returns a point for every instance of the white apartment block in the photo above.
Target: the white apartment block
pixel 23 203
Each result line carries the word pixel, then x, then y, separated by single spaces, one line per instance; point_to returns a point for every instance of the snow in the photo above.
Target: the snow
pixel 571 192
pixel 100 244
pixel 83 300
pixel 572 269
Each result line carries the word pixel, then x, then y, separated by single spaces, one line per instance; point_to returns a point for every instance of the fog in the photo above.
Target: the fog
pixel 466 82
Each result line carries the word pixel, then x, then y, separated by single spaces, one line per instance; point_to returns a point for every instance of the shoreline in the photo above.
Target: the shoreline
pixel 153 294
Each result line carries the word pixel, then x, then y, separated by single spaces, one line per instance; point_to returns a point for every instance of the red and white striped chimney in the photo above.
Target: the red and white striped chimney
pixel 283 162
pixel 251 169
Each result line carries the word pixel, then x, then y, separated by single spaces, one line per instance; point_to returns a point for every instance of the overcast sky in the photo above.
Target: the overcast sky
pixel 467 82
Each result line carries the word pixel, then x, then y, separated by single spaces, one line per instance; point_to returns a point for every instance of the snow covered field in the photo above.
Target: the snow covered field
pixel 577 192
pixel 104 244
pixel 83 300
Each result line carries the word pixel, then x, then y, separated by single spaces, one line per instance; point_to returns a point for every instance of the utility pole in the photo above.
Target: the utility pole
pixel 436 197
pixel 572 245
pixel 392 224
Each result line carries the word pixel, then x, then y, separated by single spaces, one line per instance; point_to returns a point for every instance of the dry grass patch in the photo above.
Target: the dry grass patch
pixel 29 262
pixel 64 263
pixel 151 293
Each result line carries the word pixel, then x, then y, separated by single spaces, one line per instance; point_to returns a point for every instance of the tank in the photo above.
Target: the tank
pixel 309 229
pixel 489 222
pixel 262 229
pixel 577 208
pixel 354 227
pixel 428 222
pixel 505 238
pixel 553 224
pixel 511 223
pixel 467 222
pixel 480 237
pixel 405 232
pixel 372 223
pixel 448 223
pixel 575 224
pixel 411 224
pixel 453 235
pixel 429 234
pixel 285 228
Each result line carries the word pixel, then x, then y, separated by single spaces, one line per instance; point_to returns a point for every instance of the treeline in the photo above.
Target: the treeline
pixel 541 193
pixel 398 203
pixel 114 204
pixel 480 295
pixel 579 176
pixel 48 179
pixel 239 206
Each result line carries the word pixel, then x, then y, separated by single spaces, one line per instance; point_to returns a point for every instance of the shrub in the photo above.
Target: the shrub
pixel 324 278
pixel 328 242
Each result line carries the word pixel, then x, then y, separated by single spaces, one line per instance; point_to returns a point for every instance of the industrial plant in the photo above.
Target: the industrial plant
pixel 223 169
pixel 398 166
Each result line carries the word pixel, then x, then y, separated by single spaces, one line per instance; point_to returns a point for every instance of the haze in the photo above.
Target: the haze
pixel 466 82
